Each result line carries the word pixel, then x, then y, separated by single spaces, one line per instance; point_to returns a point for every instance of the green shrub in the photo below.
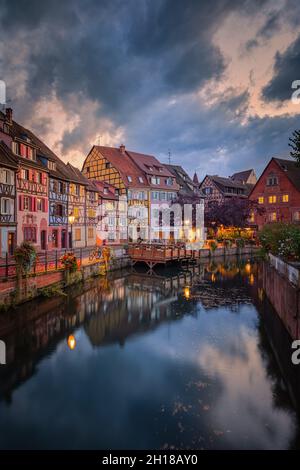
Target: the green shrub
pixel 281 239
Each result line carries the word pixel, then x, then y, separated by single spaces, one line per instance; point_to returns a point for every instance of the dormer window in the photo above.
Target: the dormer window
pixel 141 179
pixel 23 150
pixel 169 181
pixel 155 180
pixel 105 191
pixel 129 179
pixel 51 165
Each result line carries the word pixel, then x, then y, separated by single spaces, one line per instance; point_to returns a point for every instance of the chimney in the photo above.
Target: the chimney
pixel 9 113
pixel 122 148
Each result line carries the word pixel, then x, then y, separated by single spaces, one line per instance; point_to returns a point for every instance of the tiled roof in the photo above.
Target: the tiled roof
pixel 152 167
pixel 111 190
pixel 77 175
pixel 291 169
pixel 7 158
pixel 125 166
pixel 182 178
pixel 222 183
pixel 241 175
pixel 19 132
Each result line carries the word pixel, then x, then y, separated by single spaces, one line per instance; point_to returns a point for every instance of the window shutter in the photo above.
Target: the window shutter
pixel 20 203
pixel 45 205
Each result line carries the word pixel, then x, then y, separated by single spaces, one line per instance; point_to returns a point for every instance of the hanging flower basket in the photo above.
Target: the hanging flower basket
pixel 69 262
pixel 25 256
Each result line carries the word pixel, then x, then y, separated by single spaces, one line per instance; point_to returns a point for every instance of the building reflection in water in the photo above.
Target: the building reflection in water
pixel 110 311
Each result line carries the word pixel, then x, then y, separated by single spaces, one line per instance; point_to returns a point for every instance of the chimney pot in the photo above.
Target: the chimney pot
pixel 9 113
pixel 122 148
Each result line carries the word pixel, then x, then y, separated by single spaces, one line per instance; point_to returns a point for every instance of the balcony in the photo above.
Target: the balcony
pixel 7 189
pixel 6 218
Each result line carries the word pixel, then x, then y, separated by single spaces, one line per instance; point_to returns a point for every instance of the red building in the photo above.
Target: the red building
pixel 278 192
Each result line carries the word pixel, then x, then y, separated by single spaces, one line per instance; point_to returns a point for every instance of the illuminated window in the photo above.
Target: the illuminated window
pixel 285 198
pixel 261 200
pixel 272 199
pixel 251 219
pixel 273 217
pixel 78 234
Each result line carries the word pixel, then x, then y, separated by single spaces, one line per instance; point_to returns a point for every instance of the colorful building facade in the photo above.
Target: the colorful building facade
pixel 8 223
pixel 277 191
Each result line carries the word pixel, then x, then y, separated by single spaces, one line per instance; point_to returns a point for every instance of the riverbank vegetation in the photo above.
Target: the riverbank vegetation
pixel 281 239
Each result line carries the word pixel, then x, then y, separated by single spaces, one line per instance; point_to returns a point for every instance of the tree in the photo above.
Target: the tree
pixel 234 212
pixel 295 145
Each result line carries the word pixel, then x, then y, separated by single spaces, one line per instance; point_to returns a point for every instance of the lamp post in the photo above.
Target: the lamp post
pixel 71 222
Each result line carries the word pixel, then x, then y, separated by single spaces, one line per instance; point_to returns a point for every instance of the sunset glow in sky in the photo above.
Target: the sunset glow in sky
pixel 208 80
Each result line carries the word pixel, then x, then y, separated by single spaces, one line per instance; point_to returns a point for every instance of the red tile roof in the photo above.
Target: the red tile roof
pixel 111 190
pixel 137 166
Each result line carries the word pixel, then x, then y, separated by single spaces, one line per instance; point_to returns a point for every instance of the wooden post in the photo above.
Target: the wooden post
pixel 6 265
pixel 46 261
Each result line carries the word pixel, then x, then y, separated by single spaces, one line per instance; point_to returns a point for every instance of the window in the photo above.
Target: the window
pixel 272 180
pixel 26 203
pixel 285 198
pixel 76 212
pixel 129 179
pixel 260 200
pixel 155 180
pixel 105 191
pixel 40 178
pixel 141 195
pixel 107 165
pixel 272 217
pixel 169 181
pixel 30 234
pixel 25 174
pixel 77 234
pixel 251 218
pixel 23 150
pixel 91 232
pixel 162 196
pixel 111 221
pixel 91 213
pixel 77 189
pixel 155 195
pixel 6 176
pixel 59 210
pixel 272 199
pixel 61 187
pixel 141 179
pixel 207 191
pixel 40 204
pixel 51 165
pixel 5 206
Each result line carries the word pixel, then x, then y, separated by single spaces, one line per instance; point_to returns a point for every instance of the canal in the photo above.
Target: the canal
pixel 189 359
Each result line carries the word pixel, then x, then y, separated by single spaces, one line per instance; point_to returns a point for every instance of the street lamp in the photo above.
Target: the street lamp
pixel 71 222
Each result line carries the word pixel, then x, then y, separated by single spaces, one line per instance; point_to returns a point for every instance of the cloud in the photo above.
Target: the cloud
pixel 83 69
pixel 286 70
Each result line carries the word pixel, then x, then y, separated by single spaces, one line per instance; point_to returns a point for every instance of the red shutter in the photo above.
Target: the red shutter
pixel 23 150
pixel 45 205
pixel 34 204
pixel 20 203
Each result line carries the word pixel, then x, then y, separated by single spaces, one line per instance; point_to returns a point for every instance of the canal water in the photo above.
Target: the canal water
pixel 189 359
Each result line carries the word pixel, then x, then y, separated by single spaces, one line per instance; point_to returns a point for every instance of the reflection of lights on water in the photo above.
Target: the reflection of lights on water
pixel 251 279
pixel 213 277
pixel 187 292
pixel 248 268
pixel 260 294
pixel 72 342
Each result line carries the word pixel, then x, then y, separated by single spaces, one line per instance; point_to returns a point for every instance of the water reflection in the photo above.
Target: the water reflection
pixel 188 359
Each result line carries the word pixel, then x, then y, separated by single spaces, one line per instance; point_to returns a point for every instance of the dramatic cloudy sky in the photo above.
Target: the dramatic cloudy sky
pixel 208 80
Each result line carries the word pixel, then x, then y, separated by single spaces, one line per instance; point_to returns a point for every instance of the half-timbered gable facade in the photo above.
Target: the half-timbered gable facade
pixel 277 191
pixel 217 189
pixel 112 216
pixel 91 212
pixel 76 207
pixel 8 169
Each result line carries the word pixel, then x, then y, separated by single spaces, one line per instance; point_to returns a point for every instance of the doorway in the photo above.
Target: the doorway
pixel 43 239
pixel 10 243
